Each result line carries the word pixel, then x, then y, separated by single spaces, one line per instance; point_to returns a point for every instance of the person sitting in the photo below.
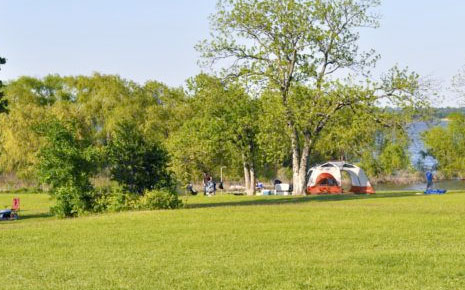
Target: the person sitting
pixel 190 189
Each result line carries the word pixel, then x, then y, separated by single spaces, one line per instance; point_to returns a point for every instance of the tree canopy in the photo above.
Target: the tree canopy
pixel 300 49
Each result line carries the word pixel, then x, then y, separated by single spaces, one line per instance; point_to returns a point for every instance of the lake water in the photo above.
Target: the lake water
pixel 417 146
pixel 415 149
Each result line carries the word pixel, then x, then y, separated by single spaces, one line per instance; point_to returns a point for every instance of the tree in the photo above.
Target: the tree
pixel 3 102
pixel 295 47
pixel 222 132
pixel 137 163
pixel 66 163
pixel 447 145
pixel 32 102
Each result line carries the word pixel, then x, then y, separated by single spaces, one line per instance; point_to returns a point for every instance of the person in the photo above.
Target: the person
pixel 429 180
pixel 190 189
pixel 206 178
pixel 210 188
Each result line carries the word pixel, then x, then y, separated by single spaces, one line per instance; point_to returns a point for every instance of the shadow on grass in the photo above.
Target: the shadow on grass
pixel 26 216
pixel 297 200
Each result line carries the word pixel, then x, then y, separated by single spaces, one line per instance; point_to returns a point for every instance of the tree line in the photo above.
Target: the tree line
pixel 292 89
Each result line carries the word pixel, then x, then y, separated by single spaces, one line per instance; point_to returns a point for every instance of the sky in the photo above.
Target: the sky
pixel 155 39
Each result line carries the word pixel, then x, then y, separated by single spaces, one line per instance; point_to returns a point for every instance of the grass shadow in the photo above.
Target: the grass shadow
pixel 26 216
pixel 297 200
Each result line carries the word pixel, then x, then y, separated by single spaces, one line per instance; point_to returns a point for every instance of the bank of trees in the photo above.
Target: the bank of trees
pixel 298 93
pixel 298 50
pixel 211 124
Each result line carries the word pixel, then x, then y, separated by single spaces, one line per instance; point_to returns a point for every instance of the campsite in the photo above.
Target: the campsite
pixel 232 144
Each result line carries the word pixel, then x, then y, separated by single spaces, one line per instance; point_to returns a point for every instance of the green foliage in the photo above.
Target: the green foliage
pixel 160 199
pixel 294 48
pixel 3 102
pixel 136 163
pixel 115 199
pixel 221 130
pixel 447 145
pixel 394 158
pixel 66 164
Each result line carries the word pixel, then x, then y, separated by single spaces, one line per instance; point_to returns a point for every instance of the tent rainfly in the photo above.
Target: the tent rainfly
pixel 326 179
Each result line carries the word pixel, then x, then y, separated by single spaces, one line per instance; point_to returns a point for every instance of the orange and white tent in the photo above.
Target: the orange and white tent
pixel 327 178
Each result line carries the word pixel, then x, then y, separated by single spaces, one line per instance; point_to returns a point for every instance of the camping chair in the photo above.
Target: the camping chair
pixel 15 207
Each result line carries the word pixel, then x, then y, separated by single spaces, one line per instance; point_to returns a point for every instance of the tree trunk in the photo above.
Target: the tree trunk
pixel 246 177
pixel 251 189
pixel 299 170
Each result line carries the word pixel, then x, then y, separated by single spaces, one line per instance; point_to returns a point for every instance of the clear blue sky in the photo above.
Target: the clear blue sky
pixel 142 39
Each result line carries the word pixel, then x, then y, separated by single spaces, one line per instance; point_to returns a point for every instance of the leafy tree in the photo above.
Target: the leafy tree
pixel 447 145
pixel 136 163
pixel 3 102
pixel 167 111
pixel 222 132
pixel 66 163
pixel 32 102
pixel 295 47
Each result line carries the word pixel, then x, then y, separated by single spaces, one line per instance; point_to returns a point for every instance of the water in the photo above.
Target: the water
pixel 417 147
pixel 443 184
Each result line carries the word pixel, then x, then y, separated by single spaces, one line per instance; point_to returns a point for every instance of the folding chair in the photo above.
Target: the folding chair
pixel 15 207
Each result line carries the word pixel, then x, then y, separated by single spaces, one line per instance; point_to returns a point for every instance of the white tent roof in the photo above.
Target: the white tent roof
pixel 357 175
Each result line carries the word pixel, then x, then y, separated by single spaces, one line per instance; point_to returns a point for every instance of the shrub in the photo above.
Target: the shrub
pixel 66 163
pixel 160 199
pixel 136 163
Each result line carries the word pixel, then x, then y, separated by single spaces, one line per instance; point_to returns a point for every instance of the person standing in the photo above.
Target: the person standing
pixel 206 178
pixel 429 180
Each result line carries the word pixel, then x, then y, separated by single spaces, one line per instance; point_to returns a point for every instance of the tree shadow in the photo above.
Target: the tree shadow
pixel 298 200
pixel 26 216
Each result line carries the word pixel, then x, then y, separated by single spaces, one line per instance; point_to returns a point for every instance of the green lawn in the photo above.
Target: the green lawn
pixel 389 241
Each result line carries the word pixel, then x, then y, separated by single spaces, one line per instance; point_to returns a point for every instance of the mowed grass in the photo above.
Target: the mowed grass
pixel 388 241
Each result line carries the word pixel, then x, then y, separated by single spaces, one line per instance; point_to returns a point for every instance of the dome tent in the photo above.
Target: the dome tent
pixel 327 178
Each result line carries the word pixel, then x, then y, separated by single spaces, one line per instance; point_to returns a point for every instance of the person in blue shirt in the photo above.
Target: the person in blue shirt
pixel 429 180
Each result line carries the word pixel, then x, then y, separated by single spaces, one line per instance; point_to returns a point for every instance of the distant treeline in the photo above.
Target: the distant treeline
pixel 444 112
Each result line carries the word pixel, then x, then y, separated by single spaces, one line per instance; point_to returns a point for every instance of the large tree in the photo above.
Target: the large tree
pixel 220 131
pixel 3 102
pixel 303 50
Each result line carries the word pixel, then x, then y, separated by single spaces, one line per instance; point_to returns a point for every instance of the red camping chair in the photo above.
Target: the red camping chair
pixel 15 205
pixel 15 208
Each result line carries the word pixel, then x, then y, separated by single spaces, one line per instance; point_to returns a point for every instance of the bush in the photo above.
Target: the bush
pixel 136 163
pixel 115 199
pixel 66 163
pixel 160 199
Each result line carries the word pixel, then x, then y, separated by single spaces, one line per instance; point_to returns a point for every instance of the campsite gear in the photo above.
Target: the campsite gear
pixel 266 192
pixel 190 189
pixel 327 179
pixel 435 191
pixel 282 189
pixel 15 206
pixel 8 214
pixel 210 187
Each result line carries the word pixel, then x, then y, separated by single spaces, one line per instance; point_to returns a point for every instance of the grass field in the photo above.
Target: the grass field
pixel 387 241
